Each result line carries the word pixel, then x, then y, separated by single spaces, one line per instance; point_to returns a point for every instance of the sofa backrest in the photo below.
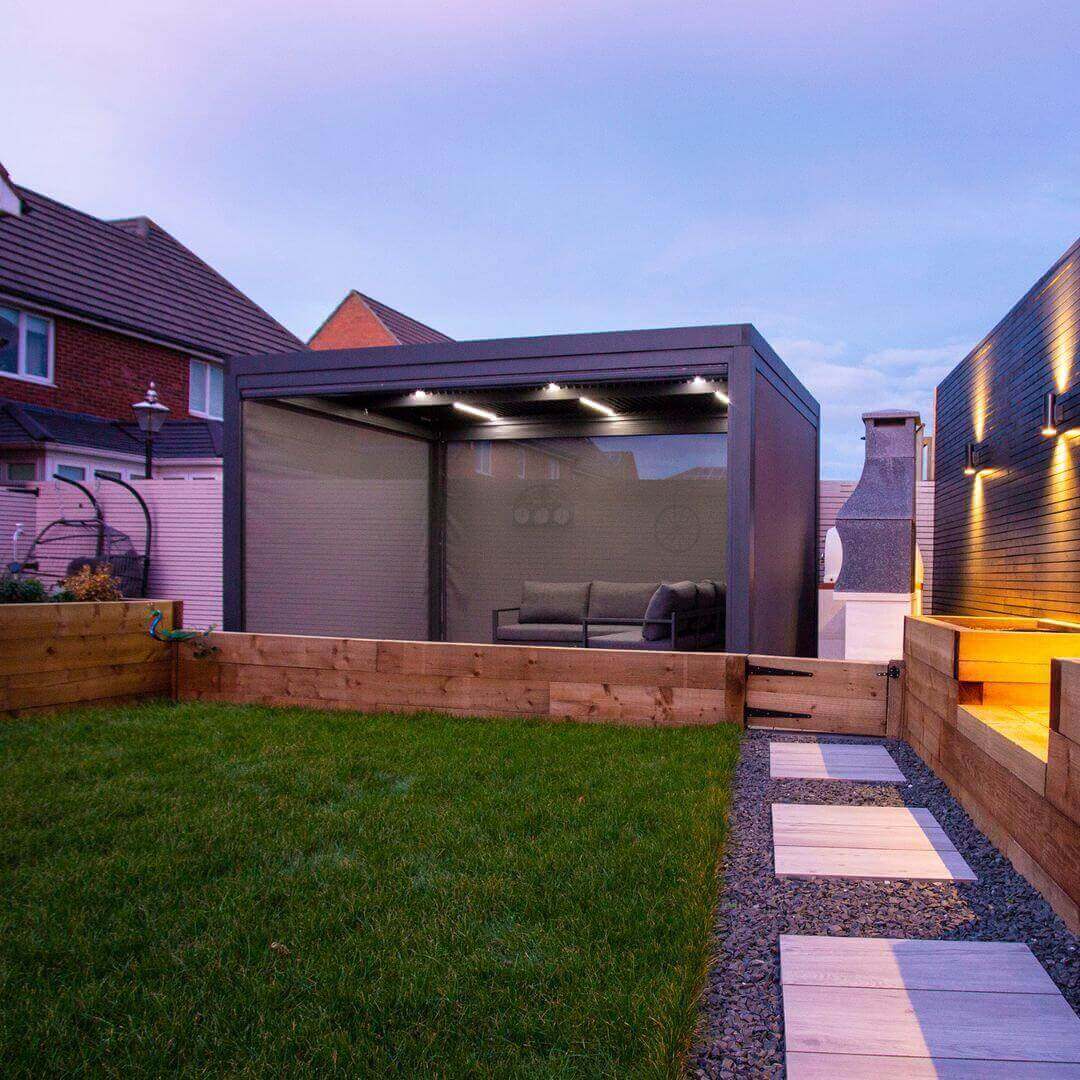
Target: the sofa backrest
pixel 620 599
pixel 553 601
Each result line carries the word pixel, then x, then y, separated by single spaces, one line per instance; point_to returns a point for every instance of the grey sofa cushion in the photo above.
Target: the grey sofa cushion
pixel 620 599
pixel 707 593
pixel 554 602
pixel 556 633
pixel 681 596
pixel 632 639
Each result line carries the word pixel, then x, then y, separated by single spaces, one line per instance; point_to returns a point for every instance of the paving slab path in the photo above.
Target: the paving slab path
pixel 741 1031
pixel 825 761
pixel 863 842
pixel 852 1006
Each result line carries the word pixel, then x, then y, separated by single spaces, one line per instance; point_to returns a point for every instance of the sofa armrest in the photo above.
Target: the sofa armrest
pixel 495 613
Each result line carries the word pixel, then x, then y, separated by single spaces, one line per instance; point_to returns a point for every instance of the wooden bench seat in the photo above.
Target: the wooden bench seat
pixel 1015 736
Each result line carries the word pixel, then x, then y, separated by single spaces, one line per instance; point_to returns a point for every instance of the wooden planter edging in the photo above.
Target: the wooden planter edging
pixel 964 680
pixel 63 655
pixel 607 686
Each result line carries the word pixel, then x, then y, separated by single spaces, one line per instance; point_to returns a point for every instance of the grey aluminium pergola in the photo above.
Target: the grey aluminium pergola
pixel 686 381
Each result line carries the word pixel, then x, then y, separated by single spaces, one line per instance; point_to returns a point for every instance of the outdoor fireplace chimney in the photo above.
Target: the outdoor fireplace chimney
pixel 877 580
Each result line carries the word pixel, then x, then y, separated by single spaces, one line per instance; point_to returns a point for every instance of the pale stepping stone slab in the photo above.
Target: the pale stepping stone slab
pixel 894 842
pixel 885 1009
pixel 832 761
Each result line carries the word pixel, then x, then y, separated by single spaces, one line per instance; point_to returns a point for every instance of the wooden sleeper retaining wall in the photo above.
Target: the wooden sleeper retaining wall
pixel 64 655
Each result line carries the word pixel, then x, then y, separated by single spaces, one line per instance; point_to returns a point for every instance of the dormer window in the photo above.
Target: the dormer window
pixel 206 392
pixel 29 354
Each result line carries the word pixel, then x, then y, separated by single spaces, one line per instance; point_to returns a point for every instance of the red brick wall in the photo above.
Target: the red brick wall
pixel 102 373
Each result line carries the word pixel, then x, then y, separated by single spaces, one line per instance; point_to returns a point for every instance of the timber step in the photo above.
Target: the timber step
pixel 1015 736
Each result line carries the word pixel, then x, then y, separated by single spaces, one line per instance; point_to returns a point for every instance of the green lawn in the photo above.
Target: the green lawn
pixel 214 890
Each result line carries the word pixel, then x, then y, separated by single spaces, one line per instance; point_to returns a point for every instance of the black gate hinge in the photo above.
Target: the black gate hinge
pixel 775 714
pixel 758 669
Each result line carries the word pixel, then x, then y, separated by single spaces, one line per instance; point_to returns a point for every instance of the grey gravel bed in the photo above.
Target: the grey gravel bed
pixel 740 1031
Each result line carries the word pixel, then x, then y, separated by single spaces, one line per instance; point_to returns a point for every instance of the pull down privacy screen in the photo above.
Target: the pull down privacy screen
pixel 645 508
pixel 335 526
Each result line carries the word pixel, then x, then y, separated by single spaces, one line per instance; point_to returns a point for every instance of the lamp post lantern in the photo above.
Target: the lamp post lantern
pixel 151 415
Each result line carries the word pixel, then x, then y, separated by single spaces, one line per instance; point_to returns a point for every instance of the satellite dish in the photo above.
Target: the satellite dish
pixel 834 556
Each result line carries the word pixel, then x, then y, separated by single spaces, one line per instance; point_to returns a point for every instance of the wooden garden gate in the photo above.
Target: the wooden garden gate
pixel 842 697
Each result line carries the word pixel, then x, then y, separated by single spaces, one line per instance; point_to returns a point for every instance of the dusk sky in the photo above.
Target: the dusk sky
pixel 872 184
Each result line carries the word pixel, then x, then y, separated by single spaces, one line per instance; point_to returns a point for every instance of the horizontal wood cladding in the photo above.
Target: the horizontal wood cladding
pixel 56 656
pixel 1008 542
pixel 604 686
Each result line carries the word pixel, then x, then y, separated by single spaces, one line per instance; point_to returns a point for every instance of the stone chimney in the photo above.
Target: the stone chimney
pixel 876 586
pixel 877 523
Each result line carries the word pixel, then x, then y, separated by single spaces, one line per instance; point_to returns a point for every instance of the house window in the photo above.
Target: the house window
pixel 21 472
pixel 30 355
pixel 553 468
pixel 71 472
pixel 522 463
pixel 206 392
pixel 483 458
pixel 109 474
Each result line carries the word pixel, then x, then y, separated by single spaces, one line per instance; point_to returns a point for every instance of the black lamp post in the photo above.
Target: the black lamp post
pixel 151 415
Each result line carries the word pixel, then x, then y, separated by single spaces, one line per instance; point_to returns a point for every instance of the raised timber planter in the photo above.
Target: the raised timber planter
pixel 978 710
pixel 56 656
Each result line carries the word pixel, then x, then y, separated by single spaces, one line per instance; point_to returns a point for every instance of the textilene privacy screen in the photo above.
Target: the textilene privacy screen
pixel 335 527
pixel 627 508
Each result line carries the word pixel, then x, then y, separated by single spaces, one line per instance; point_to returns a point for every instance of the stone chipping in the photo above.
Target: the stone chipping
pixel 740 1030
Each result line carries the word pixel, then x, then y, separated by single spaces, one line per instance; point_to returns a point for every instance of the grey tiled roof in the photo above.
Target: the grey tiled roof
pixel 132 275
pixel 22 425
pixel 407 330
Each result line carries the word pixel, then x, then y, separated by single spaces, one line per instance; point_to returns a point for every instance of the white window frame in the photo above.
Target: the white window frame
pixel 553 469
pixel 523 464
pixel 74 465
pixel 8 467
pixel 204 366
pixel 21 373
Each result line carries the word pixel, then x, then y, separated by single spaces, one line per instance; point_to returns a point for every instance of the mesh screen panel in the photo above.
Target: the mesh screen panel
pixel 336 527
pixel 626 508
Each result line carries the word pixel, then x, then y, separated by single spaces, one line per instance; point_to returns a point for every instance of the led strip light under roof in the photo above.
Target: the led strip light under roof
pixel 472 410
pixel 597 406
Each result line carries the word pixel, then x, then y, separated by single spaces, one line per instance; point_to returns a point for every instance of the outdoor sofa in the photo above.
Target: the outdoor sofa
pixel 615 615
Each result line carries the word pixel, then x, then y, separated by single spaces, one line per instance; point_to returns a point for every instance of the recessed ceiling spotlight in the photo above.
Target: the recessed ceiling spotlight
pixel 472 410
pixel 697 380
pixel 420 393
pixel 607 410
pixel 553 387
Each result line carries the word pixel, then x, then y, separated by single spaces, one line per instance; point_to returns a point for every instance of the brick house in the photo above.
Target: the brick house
pixel 361 322
pixel 91 311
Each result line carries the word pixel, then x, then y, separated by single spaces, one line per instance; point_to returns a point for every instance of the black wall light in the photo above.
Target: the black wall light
pixel 1051 415
pixel 975 461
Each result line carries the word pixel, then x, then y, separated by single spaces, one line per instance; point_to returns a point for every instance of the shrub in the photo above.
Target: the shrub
pixel 15 590
pixel 91 583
